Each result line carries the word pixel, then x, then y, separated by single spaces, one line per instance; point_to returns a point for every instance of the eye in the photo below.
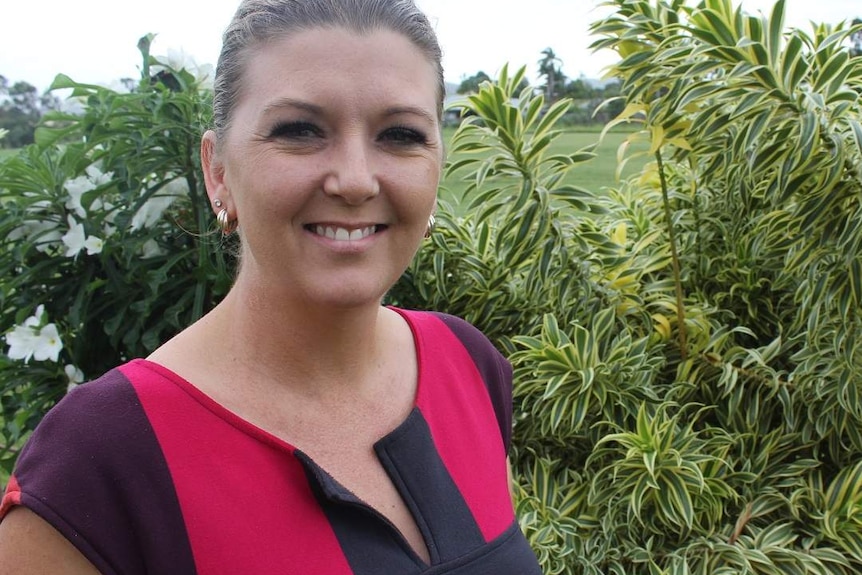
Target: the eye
pixel 295 131
pixel 403 136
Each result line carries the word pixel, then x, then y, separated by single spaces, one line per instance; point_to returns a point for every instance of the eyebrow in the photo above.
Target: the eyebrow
pixel 282 103
pixel 292 103
pixel 413 110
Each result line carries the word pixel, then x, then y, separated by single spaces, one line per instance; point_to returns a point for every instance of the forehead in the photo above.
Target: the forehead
pixel 335 63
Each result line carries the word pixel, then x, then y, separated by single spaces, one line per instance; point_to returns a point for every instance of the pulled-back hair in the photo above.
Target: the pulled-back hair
pixel 257 22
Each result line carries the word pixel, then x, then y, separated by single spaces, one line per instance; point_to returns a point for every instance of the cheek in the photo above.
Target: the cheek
pixel 420 201
pixel 265 191
pixel 428 181
pixel 434 177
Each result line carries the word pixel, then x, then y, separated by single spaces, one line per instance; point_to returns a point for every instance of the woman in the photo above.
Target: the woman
pixel 300 426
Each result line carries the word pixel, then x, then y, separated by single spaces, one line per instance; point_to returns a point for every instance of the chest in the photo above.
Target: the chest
pixel 250 503
pixel 353 468
pixel 332 501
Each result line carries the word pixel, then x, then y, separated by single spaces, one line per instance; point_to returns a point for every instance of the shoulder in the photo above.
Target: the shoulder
pixel 470 336
pixel 93 467
pixel 99 427
pixel 493 367
pixel 88 413
pixel 94 429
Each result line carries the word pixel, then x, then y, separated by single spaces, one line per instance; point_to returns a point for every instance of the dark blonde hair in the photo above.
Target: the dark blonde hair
pixel 257 22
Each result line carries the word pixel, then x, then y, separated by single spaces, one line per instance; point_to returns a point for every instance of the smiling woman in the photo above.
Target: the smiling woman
pixel 300 426
pixel 350 143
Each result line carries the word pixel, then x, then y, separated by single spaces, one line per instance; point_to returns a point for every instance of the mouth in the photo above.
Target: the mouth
pixel 340 234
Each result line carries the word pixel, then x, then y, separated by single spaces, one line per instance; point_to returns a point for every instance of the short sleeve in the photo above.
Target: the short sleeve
pixel 93 469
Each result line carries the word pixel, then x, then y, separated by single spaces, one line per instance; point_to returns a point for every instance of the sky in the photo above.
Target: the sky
pixel 94 41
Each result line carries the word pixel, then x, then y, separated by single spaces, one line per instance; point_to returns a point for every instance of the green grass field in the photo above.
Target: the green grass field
pixel 595 175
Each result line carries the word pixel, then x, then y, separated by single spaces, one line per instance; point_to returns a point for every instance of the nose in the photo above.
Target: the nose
pixel 351 176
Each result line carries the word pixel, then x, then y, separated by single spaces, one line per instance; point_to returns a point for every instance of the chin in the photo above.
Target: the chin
pixel 349 296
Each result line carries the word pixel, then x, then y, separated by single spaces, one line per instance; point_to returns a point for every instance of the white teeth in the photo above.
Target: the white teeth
pixel 344 235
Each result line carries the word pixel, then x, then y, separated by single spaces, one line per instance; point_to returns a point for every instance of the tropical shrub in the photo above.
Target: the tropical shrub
pixel 107 246
pixel 687 346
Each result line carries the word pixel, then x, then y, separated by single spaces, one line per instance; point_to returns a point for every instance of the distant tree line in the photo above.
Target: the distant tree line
pixel 587 96
pixel 21 108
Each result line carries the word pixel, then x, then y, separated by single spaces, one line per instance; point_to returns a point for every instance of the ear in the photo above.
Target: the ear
pixel 214 176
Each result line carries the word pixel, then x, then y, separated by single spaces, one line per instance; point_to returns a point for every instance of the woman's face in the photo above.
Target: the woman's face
pixel 331 163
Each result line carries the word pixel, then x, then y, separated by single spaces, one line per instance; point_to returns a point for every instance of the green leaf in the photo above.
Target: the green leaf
pixel 855 277
pixel 836 67
pixel 794 66
pixel 554 113
pixel 776 28
pixel 674 496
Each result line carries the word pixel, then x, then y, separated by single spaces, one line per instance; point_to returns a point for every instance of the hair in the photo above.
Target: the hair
pixel 257 22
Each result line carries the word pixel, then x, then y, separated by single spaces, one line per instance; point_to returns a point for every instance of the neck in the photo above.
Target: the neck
pixel 316 348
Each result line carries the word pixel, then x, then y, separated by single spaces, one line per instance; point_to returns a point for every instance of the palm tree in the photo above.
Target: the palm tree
pixel 856 39
pixel 549 68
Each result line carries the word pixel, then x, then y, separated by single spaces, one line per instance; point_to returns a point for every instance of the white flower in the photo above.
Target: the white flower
pixel 48 241
pixel 29 340
pixel 110 213
pixel 38 226
pixel 75 376
pixel 177 187
pixel 77 187
pixel 151 249
pixel 97 177
pixel 94 245
pixel 176 60
pixel 39 206
pixel 36 318
pixel 180 60
pixel 22 342
pixel 75 240
pixel 49 344
pixel 45 232
pixel 151 212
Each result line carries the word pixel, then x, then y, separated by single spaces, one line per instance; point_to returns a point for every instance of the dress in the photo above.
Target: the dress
pixel 145 474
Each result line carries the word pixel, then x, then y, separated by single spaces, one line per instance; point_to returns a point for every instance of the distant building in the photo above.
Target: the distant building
pixel 451 108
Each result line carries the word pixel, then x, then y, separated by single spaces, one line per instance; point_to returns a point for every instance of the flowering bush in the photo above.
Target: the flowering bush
pixel 107 243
